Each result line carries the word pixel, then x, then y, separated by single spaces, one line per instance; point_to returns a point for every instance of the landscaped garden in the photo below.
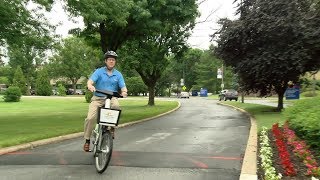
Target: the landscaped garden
pixel 288 141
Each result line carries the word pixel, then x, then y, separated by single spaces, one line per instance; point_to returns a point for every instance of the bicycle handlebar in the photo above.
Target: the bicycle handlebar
pixel 109 93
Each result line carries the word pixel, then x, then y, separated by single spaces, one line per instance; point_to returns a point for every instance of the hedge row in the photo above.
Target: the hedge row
pixel 304 118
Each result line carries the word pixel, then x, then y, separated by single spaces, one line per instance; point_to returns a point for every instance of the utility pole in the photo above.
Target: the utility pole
pixel 222 83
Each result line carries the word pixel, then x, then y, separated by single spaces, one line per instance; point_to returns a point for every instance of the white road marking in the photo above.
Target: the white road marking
pixel 154 137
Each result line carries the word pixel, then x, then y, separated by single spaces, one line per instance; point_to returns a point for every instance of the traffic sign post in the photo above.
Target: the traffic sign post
pixel 219 74
pixel 182 82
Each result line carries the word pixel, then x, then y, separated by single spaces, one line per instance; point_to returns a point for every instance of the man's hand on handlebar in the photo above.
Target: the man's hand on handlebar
pixel 91 88
pixel 124 94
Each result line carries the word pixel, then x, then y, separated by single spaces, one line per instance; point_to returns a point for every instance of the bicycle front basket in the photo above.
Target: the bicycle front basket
pixel 109 117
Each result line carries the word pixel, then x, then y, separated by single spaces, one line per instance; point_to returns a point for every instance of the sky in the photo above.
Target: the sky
pixel 200 37
pixel 218 9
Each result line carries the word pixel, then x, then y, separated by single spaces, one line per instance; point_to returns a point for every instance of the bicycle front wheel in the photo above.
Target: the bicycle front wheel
pixel 103 155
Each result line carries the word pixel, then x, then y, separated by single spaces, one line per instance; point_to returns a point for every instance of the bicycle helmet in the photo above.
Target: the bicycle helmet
pixel 110 54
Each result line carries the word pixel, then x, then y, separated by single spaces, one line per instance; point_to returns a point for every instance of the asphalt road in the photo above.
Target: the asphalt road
pixel 201 140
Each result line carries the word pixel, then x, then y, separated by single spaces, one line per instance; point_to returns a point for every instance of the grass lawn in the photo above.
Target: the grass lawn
pixel 264 115
pixel 35 118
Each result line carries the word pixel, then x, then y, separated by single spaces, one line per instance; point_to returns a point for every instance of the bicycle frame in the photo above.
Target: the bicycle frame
pixel 103 141
pixel 98 131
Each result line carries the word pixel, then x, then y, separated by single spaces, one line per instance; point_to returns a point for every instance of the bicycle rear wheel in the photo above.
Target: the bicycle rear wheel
pixel 104 152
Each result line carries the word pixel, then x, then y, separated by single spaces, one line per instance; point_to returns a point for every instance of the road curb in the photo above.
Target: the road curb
pixel 34 144
pixel 249 163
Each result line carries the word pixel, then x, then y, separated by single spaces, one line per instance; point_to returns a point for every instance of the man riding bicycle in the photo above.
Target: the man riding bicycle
pixel 104 78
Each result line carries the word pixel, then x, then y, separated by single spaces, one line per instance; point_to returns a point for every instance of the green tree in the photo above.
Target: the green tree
pixel 6 74
pixel 29 39
pixel 20 81
pixel 206 74
pixel 183 67
pixel 167 35
pixel 206 71
pixel 28 58
pixel 160 27
pixel 135 85
pixel 61 90
pixel 74 60
pixel 43 87
pixel 4 80
pixel 272 43
pixel 19 24
pixel 107 23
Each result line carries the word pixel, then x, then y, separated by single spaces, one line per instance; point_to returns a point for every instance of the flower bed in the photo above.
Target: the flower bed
pixel 282 155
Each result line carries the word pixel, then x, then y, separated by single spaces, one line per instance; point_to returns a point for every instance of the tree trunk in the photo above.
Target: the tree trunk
pixel 280 102
pixel 28 93
pixel 103 40
pixel 74 87
pixel 151 95
pixel 280 90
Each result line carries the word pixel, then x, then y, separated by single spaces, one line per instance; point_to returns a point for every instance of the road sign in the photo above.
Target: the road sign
pixel 203 92
pixel 184 88
pixel 293 93
pixel 182 82
pixel 219 74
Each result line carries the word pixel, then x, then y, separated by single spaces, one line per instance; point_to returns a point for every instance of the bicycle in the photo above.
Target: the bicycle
pixel 102 136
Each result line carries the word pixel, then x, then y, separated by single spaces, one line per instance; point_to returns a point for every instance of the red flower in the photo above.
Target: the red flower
pixel 283 152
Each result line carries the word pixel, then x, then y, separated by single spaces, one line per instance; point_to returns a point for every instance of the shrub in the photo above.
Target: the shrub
pixel 12 94
pixel 310 94
pixel 304 118
pixel 43 87
pixel 88 95
pixel 20 81
pixel 61 90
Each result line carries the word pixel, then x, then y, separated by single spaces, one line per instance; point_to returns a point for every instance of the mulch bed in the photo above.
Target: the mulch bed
pixel 298 164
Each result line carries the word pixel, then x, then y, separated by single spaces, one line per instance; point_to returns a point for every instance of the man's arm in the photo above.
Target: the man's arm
pixel 90 85
pixel 124 92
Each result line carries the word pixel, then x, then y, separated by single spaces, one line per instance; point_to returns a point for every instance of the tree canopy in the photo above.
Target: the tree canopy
pixel 74 60
pixel 114 22
pixel 19 24
pixel 273 42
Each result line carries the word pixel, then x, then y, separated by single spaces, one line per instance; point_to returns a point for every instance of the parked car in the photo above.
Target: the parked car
pixel 69 91
pixel 228 94
pixel 79 92
pixel 32 92
pixel 194 93
pixel 55 92
pixel 184 94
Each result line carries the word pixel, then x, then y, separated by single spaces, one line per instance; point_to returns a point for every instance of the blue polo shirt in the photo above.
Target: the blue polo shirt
pixel 103 81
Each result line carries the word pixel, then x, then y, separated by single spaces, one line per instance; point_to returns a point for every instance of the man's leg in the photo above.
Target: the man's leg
pixel 91 120
pixel 114 105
